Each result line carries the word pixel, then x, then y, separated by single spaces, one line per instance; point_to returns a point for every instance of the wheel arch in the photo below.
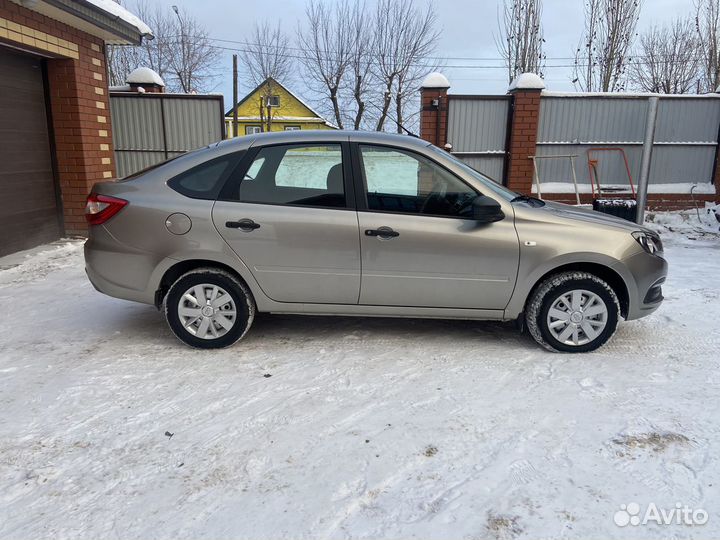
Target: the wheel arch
pixel 604 272
pixel 182 267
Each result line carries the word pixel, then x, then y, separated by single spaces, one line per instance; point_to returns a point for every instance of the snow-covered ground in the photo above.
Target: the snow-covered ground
pixel 347 427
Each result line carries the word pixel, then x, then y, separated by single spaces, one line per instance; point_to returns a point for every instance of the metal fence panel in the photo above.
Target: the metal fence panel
pixel 149 128
pixel 192 123
pixel 686 120
pixel 136 123
pixel 477 130
pixel 478 125
pixel 685 137
pixel 584 119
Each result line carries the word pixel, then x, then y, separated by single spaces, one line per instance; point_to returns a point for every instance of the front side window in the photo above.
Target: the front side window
pixel 401 181
pixel 295 175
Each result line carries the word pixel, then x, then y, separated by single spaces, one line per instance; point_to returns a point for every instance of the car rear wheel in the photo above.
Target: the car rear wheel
pixel 209 308
pixel 573 312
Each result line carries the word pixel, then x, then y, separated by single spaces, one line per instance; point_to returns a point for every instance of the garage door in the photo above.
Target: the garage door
pixel 28 200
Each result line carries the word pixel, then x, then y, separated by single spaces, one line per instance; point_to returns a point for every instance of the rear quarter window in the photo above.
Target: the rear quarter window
pixel 205 181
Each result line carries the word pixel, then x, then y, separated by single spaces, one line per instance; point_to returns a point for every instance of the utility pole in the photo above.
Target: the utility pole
pixel 235 96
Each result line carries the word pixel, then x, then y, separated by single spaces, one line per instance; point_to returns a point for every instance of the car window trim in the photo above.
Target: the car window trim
pixel 361 183
pixel 233 181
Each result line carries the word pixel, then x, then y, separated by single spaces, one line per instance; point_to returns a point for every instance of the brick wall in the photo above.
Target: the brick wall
pixel 433 118
pixel 656 201
pixel 79 104
pixel 523 137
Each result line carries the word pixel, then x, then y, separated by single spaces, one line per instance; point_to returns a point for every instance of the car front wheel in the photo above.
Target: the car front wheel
pixel 573 312
pixel 209 308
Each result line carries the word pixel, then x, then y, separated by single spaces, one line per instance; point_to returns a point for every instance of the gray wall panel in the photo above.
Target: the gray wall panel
pixel 141 140
pixel 591 119
pixel 688 120
pixel 491 166
pixel 477 125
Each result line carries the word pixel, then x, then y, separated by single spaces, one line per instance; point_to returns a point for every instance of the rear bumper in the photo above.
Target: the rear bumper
pixel 648 274
pixel 116 270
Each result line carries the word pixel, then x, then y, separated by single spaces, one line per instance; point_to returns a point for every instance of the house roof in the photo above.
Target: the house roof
pixel 105 19
pixel 318 116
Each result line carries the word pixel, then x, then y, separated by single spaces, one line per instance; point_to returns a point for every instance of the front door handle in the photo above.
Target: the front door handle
pixel 246 225
pixel 382 232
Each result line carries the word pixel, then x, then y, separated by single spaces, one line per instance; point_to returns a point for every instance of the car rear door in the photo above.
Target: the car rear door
pixel 420 246
pixel 289 214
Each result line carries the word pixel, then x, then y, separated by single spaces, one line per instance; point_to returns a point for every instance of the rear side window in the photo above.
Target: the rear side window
pixel 205 181
pixel 300 175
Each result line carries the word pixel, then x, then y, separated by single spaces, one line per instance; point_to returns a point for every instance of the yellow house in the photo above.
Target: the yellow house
pixel 287 112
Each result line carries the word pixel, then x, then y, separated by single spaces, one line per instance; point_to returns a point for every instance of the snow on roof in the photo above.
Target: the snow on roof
pixel 116 10
pixel 144 75
pixel 435 80
pixel 527 81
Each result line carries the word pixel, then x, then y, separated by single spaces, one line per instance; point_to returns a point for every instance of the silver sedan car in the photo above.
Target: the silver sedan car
pixel 354 223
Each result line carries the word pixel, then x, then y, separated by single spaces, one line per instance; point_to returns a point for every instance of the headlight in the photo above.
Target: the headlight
pixel 649 242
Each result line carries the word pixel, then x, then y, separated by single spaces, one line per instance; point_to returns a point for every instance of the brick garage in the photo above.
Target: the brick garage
pixel 55 113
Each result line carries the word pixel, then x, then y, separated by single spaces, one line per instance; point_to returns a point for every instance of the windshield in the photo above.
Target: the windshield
pixel 491 184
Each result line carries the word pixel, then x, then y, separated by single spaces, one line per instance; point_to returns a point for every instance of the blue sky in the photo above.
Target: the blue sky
pixel 467 31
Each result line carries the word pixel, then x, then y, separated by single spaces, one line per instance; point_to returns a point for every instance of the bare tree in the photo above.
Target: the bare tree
pixel 193 60
pixel 602 58
pixel 359 72
pixel 327 41
pixel 520 41
pixel 667 61
pixel 181 52
pixel 267 59
pixel 404 37
pixel 707 25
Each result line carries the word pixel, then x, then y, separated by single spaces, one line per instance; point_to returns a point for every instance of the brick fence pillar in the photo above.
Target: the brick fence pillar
pixel 525 91
pixel 434 109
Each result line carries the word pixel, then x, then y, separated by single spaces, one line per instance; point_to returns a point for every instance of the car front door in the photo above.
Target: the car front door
pixel 420 246
pixel 289 217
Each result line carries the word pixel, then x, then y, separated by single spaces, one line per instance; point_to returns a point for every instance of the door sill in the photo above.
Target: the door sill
pixel 388 311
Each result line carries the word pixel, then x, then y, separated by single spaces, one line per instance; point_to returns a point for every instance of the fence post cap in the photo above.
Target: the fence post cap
pixel 144 75
pixel 527 81
pixel 435 80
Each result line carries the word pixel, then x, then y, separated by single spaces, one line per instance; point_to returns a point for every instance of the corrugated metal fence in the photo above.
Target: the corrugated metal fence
pixel 477 130
pixel 686 135
pixel 150 128
pixel 686 132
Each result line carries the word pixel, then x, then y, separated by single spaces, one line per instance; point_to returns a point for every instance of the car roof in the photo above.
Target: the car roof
pixel 324 136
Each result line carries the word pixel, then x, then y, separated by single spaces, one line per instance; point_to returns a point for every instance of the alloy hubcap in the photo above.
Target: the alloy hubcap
pixel 207 311
pixel 577 317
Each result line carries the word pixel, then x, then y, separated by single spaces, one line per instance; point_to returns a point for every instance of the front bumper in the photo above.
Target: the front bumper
pixel 648 273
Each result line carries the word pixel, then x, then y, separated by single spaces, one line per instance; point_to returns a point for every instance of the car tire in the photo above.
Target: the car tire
pixel 209 308
pixel 572 312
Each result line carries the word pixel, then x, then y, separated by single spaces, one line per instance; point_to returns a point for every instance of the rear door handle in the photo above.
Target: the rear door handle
pixel 246 225
pixel 382 232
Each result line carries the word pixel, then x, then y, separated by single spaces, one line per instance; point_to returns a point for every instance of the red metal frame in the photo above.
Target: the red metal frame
pixel 592 164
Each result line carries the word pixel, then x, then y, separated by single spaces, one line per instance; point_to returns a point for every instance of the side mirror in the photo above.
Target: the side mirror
pixel 486 210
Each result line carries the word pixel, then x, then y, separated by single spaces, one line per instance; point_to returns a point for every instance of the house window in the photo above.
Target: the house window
pixel 273 101
pixel 292 128
pixel 251 130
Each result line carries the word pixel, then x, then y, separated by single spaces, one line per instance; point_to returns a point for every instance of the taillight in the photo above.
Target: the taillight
pixel 100 208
